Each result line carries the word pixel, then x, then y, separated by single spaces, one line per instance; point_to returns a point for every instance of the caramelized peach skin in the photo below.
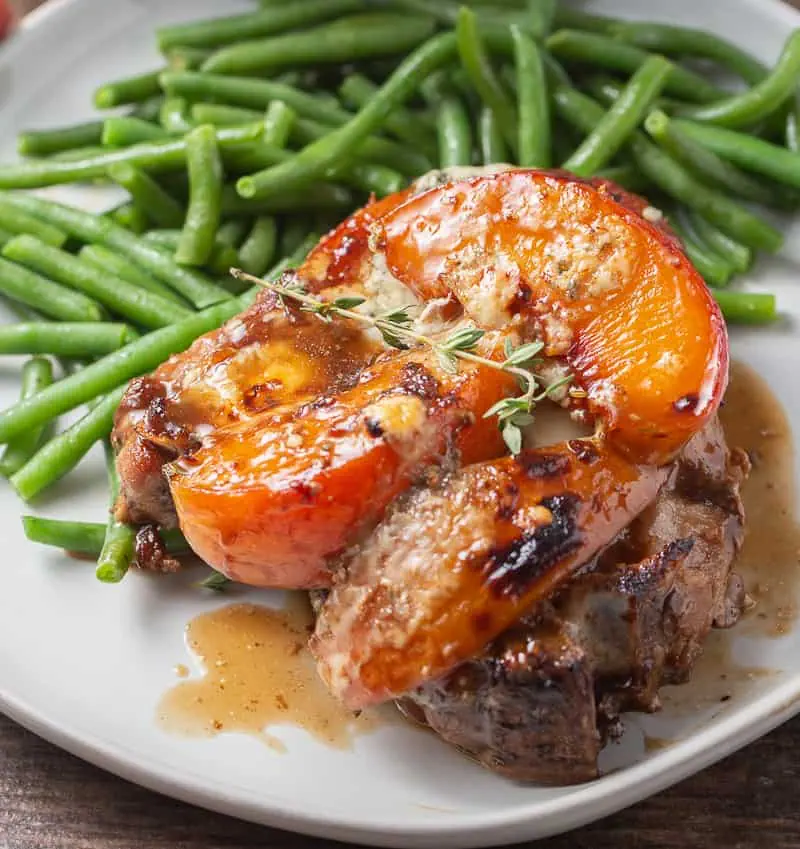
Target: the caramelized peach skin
pixel 460 563
pixel 338 257
pixel 605 289
pixel 271 501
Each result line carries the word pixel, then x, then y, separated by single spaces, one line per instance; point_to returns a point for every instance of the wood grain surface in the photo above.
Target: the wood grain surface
pixel 51 800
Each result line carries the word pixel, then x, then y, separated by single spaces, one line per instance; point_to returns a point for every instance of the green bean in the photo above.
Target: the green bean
pixel 540 18
pixel 492 19
pixel 375 179
pixel 568 18
pixel 293 234
pixel 186 58
pixel 792 129
pixel 673 179
pixel 748 152
pixel 220 115
pixel 50 298
pixel 144 308
pixel 365 176
pixel 220 259
pixel 237 28
pixel 76 537
pixel 739 256
pixel 126 130
pixel 709 167
pixel 532 103
pixel 130 217
pixel 373 148
pixel 37 373
pixel 617 124
pixel 278 122
pixel 590 48
pixel 346 40
pixel 628 176
pixel 453 128
pixel 80 340
pixel 717 207
pixel 493 148
pixel 77 153
pixel 124 269
pixel 5 236
pixel 18 221
pixel 478 66
pixel 319 196
pixel 103 375
pixel 232 233
pixel 67 449
pixel 751 106
pixel 288 262
pixel 251 93
pixel 158 205
pixel 711 267
pixel 85 537
pixel 173 115
pixel 169 154
pixel 119 544
pixel 415 128
pixel 196 288
pixel 746 307
pixel 258 249
pixel 45 142
pixel 315 159
pixel 148 110
pixel 686 41
pixel 127 90
pixel 205 192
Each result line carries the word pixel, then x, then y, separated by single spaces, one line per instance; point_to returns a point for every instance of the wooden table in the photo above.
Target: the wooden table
pixel 51 800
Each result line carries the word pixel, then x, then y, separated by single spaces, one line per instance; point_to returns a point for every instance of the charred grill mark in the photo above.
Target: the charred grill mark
pixel 687 404
pixel 639 579
pixel 539 465
pixel 513 569
pixel 585 450
pixel 509 498
pixel 415 379
pixel 373 427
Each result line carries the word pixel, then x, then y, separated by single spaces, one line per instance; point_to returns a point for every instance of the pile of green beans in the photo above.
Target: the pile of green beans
pixel 261 129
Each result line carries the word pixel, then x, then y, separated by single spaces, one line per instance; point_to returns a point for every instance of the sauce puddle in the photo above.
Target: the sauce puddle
pixel 769 562
pixel 258 674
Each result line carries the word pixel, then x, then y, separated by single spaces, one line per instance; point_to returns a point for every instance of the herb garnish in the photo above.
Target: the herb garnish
pixel 395 327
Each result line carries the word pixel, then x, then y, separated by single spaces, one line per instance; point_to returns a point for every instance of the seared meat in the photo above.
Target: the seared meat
pixel 266 356
pixel 539 704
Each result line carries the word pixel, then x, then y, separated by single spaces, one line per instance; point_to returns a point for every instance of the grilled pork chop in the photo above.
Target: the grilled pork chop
pixel 541 701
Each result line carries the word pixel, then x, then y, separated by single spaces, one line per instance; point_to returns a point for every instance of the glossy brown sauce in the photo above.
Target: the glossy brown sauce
pixel 769 563
pixel 258 674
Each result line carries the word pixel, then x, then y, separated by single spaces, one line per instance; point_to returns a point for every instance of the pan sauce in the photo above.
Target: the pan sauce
pixel 259 673
pixel 769 562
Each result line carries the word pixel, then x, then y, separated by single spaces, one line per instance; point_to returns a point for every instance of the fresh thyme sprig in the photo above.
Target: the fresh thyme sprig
pixel 395 327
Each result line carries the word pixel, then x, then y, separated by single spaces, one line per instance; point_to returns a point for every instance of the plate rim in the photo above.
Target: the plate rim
pixel 583 804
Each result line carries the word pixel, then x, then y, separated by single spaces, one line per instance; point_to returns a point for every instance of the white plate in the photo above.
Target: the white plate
pixel 84 664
